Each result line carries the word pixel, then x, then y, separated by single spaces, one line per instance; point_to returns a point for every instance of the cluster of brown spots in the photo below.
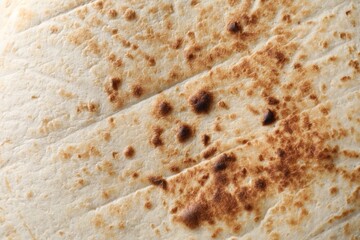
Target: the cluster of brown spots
pixel 269 117
pixel 205 139
pixel 345 36
pixel 89 151
pixel 209 152
pixel 184 133
pixel 201 102
pixel 345 78
pixel 158 181
pixel 355 64
pixel 89 107
pixel 129 152
pixel 151 60
pixel 137 91
pixel 156 139
pixel 190 53
pixel 112 89
pixel 163 109
pixel 286 18
pixel 130 14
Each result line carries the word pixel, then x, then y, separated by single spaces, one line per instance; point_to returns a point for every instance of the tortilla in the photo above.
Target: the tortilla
pixel 84 134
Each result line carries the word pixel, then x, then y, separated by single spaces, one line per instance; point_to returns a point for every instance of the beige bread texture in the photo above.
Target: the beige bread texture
pixel 179 119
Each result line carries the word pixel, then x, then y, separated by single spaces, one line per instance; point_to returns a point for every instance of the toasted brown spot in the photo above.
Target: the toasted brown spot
pixel 115 155
pixel 209 152
pixel 175 169
pixel 201 102
pixel 261 184
pixel 115 83
pixel 148 205
pixel 194 215
pixel 269 117
pixel 223 161
pixel 129 152
pixel 135 175
pixel 137 91
pixel 106 136
pixel 177 44
pixel 334 190
pixel 345 78
pixel 130 14
pixel 205 139
pixel 222 104
pixel 184 133
pixel 234 27
pixel 158 181
pixel 164 108
pixel 156 139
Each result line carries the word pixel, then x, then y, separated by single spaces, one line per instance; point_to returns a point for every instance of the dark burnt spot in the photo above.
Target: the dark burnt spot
pixel 228 157
pixel 184 133
pixel 158 181
pixel 194 215
pixel 219 166
pixel 190 56
pixel 248 207
pixel 281 153
pixel 269 117
pixel 260 184
pixel 223 161
pixel 129 152
pixel 281 58
pixel 273 101
pixel 137 91
pixel 201 102
pixel 234 27
pixel 156 138
pixel 115 83
pixel 205 139
pixel 164 108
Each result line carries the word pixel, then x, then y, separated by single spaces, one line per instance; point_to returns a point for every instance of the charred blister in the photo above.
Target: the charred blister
pixel 201 102
pixel 156 138
pixel 158 181
pixel 164 108
pixel 205 139
pixel 234 27
pixel 269 117
pixel 184 133
pixel 129 152
pixel 223 161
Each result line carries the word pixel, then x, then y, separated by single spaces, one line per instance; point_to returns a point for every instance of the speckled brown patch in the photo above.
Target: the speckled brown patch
pixel 201 102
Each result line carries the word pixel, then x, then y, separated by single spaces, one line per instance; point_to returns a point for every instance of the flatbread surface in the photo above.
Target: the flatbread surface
pixel 179 120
